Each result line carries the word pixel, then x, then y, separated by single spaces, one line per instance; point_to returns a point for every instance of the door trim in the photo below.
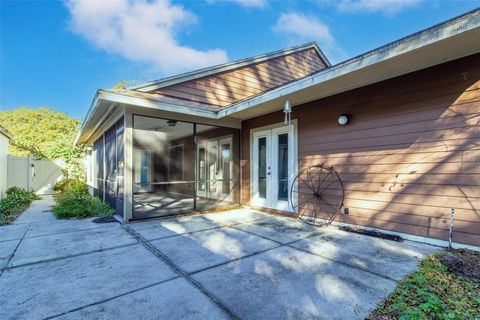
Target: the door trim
pixel 294 123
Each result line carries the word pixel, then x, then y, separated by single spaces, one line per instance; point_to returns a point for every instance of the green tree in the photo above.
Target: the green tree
pixel 42 132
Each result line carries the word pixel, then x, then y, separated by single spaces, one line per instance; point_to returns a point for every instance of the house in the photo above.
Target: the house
pixel 407 151
pixel 5 137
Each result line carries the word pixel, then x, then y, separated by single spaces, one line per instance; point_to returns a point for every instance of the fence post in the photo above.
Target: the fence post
pixel 450 229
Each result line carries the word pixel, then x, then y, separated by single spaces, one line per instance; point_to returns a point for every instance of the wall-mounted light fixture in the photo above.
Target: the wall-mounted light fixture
pixel 287 109
pixel 172 123
pixel 89 148
pixel 343 119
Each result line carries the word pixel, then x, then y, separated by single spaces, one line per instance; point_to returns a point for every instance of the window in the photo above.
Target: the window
pixel 175 172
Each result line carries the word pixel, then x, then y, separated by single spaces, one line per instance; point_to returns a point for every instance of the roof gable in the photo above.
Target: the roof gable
pixel 234 82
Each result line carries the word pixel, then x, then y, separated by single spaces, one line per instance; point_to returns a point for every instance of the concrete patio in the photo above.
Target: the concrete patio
pixel 238 264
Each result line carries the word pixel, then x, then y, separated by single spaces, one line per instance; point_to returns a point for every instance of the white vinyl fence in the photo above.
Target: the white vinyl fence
pixel 33 172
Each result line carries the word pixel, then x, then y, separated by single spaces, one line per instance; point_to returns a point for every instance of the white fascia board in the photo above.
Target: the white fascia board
pixel 136 101
pixel 408 44
pixel 107 115
pixel 321 54
pixel 91 110
pixel 157 84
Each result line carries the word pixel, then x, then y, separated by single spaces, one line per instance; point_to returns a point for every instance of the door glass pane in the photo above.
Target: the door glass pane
pixel 201 169
pixel 262 167
pixel 283 166
pixel 226 168
pixel 145 169
pixel 212 168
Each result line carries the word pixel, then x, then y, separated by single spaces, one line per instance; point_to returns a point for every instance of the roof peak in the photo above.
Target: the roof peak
pixel 156 84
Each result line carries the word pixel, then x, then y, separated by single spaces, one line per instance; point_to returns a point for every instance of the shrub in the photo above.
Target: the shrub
pixel 67 184
pixel 17 199
pixel 76 202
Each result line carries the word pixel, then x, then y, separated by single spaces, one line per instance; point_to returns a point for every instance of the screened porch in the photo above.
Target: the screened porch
pixel 180 167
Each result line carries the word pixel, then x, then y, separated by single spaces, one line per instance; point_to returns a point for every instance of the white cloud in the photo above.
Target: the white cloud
pixel 305 27
pixel 143 31
pixel 244 3
pixel 385 6
pixel 298 27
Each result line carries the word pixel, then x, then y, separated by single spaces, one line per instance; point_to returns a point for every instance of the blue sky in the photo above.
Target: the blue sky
pixel 57 54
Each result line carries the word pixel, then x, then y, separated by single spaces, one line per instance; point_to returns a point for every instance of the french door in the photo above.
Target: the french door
pixel 273 167
pixel 215 168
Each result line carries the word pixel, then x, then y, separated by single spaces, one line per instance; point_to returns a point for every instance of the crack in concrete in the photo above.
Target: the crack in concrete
pixel 14 251
pixel 69 256
pixel 63 232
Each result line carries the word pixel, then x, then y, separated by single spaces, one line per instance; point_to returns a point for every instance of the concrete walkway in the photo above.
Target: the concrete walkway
pixel 240 264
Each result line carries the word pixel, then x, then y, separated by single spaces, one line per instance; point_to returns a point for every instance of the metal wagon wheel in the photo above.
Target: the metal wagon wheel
pixel 317 195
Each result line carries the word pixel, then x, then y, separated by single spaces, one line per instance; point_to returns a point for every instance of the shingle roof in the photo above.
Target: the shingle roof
pixel 227 84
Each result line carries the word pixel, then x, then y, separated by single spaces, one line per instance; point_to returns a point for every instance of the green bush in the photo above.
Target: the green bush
pixel 67 184
pixel 17 199
pixel 76 202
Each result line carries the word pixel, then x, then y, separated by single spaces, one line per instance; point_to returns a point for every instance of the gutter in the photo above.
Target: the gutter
pixel 113 97
pixel 418 40
pixel 423 38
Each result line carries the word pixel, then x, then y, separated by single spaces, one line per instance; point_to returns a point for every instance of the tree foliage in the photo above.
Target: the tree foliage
pixel 42 132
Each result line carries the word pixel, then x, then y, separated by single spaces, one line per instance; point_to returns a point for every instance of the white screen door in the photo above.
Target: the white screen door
pixel 273 167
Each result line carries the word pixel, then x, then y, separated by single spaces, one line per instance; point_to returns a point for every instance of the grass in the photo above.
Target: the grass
pixel 76 203
pixel 15 202
pixel 440 289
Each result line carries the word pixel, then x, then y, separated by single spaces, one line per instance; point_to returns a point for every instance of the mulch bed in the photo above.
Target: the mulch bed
pixel 372 233
pixel 104 220
pixel 463 263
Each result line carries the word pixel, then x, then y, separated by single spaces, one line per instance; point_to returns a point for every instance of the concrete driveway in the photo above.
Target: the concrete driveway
pixel 239 264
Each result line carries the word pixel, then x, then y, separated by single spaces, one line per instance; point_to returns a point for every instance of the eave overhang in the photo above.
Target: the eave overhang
pixel 453 39
pixel 444 42
pixel 107 100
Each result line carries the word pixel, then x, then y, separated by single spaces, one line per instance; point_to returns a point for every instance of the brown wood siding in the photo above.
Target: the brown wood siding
pixel 410 153
pixel 232 86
